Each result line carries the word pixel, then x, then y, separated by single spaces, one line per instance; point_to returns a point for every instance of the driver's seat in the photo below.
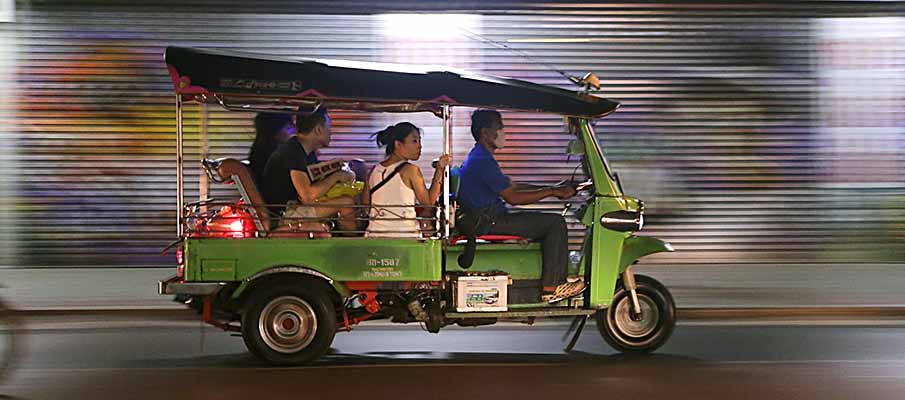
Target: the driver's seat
pixel 467 257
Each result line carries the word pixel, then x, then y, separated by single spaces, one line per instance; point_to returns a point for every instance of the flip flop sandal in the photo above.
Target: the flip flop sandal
pixel 565 291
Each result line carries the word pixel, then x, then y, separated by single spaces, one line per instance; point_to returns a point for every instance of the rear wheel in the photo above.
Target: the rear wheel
pixel 289 323
pixel 630 333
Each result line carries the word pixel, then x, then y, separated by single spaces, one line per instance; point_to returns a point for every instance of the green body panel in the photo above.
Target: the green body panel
pixel 585 214
pixel 604 247
pixel 340 259
pixel 636 247
pixel 521 261
pixel 606 251
pixel 218 269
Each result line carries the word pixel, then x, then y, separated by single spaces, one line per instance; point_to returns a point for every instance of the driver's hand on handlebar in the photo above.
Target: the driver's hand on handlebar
pixel 564 192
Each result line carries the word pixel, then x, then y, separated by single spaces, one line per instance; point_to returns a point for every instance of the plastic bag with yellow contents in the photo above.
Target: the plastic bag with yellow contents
pixel 343 189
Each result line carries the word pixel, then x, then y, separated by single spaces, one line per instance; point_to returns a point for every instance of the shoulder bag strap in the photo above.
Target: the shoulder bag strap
pixel 387 179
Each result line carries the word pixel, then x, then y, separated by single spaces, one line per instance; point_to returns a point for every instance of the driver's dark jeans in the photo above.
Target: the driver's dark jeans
pixel 550 230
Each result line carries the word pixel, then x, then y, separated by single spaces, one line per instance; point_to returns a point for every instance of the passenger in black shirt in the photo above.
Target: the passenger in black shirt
pixel 287 185
pixel 271 130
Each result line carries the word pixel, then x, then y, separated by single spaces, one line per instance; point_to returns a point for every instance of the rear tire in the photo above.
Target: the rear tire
pixel 658 317
pixel 289 323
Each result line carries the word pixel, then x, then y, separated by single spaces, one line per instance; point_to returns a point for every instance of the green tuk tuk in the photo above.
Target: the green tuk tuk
pixel 289 290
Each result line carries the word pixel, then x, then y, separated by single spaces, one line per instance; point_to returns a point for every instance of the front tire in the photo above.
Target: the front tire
pixel 624 332
pixel 289 323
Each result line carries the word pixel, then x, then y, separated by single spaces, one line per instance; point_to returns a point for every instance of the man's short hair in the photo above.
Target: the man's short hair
pixel 306 121
pixel 484 118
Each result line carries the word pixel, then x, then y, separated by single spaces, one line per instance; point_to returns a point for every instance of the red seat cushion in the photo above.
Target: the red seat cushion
pixel 491 239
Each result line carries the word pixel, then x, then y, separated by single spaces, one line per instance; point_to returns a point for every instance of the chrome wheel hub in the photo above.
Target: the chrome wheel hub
pixel 287 324
pixel 629 324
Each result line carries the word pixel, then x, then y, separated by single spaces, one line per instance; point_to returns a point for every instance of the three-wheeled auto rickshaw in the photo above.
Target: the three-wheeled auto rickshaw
pixel 288 288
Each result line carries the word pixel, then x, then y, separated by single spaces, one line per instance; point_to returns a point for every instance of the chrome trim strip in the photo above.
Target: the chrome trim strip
pixel 299 270
pixel 173 285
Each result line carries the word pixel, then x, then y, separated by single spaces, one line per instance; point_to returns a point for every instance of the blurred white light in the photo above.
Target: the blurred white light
pixel 426 26
pixel 865 27
pixel 7 11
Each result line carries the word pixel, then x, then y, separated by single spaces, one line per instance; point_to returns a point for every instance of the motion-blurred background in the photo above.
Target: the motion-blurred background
pixel 767 133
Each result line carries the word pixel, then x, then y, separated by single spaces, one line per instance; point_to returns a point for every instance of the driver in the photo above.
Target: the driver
pixel 485 190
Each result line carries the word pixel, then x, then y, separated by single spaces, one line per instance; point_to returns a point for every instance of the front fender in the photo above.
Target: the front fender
pixel 636 247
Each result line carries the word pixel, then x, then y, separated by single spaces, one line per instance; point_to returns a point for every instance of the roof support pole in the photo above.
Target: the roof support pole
pixel 203 147
pixel 447 143
pixel 179 186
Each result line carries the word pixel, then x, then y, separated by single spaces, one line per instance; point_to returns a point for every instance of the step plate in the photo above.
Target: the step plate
pixel 527 312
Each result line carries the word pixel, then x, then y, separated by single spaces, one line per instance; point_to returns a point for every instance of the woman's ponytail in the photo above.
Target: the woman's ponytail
pixel 384 137
pixel 389 136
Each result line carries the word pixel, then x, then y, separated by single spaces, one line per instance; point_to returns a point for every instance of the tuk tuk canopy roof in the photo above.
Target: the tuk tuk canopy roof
pixel 244 80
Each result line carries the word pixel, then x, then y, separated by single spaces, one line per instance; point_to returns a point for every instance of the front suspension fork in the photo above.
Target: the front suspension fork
pixel 628 279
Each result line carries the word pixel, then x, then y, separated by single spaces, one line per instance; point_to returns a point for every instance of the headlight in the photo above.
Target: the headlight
pixel 623 221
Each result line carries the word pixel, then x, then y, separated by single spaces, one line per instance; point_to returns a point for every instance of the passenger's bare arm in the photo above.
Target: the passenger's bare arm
pixel 413 177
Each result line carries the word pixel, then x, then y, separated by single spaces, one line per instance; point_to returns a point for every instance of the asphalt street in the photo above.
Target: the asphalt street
pixel 175 358
pixel 815 331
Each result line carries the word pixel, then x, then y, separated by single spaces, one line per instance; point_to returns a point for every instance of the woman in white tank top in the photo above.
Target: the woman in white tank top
pixel 392 212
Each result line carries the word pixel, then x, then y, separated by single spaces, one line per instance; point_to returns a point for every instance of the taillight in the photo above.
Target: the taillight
pixel 180 264
pixel 237 228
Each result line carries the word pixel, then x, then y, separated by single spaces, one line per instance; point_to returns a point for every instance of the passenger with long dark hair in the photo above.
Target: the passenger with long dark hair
pixel 271 130
pixel 395 184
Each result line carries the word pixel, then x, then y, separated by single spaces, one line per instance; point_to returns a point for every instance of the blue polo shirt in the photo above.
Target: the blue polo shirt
pixel 482 181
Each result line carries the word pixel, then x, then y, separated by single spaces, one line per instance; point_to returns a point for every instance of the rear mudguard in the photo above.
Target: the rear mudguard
pixel 251 281
pixel 636 247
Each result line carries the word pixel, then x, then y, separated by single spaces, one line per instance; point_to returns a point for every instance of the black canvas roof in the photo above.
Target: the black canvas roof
pixel 224 73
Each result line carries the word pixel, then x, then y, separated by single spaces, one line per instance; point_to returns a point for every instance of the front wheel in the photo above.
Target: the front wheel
pixel 629 333
pixel 289 323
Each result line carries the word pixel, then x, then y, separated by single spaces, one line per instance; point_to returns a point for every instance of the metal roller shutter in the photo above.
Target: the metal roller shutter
pixel 769 132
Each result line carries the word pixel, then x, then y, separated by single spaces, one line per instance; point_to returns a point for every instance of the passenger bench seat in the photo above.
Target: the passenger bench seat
pixel 230 170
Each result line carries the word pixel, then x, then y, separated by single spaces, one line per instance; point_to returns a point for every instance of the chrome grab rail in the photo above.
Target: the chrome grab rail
pixel 200 217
